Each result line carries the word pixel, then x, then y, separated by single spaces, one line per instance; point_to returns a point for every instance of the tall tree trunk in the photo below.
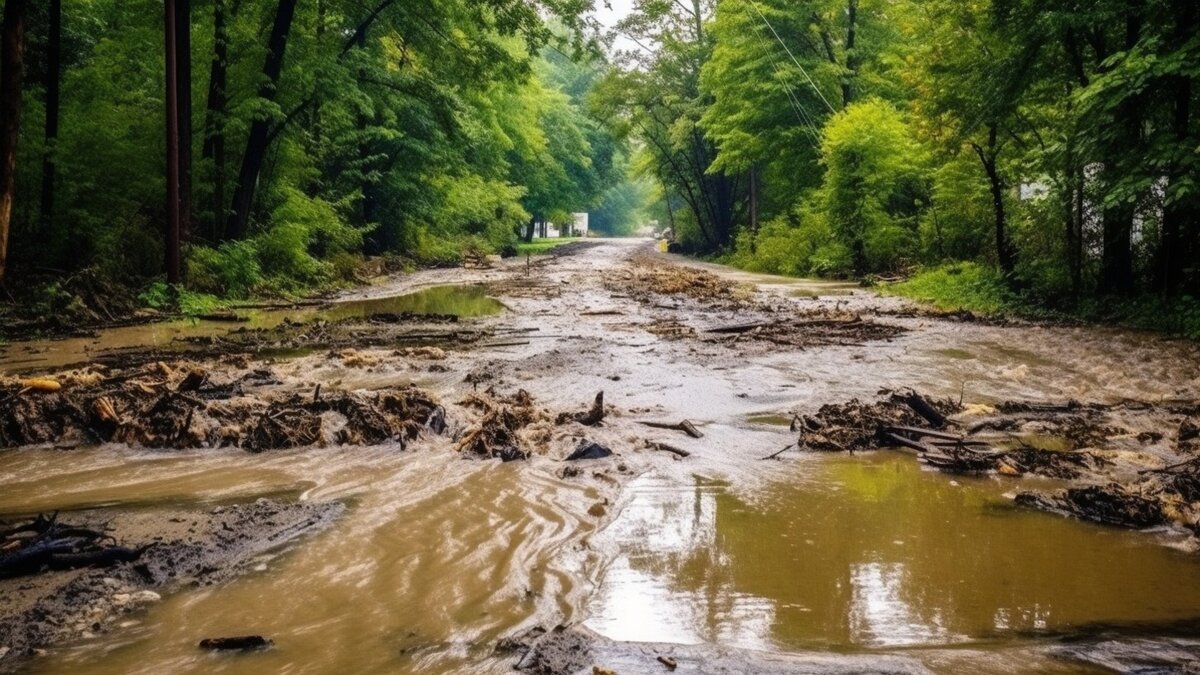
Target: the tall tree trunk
pixel 527 235
pixel 1116 264
pixel 214 124
pixel 1179 224
pixel 183 83
pixel 256 143
pixel 1005 255
pixel 754 181
pixel 172 96
pixel 52 87
pixel 12 50
pixel 851 58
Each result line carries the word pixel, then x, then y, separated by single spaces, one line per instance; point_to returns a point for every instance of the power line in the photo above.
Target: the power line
pixel 792 56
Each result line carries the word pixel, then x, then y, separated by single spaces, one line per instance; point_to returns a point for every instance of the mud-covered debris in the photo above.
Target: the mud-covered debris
pixel 589 418
pixel 1111 504
pixel 855 425
pixel 647 277
pixel 497 433
pixel 240 643
pixel 589 450
pixel 162 407
pixel 47 544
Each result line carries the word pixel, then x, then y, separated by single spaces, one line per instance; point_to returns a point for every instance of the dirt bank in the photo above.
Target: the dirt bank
pixel 176 547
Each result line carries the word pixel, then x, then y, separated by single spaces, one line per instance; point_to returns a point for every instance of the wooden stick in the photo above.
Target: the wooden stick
pixel 776 454
pixel 685 426
pixel 670 448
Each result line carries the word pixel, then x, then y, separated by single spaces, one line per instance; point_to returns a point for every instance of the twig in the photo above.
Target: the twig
pixel 776 454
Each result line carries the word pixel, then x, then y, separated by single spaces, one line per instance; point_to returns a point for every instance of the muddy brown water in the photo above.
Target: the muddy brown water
pixel 439 557
pixel 461 300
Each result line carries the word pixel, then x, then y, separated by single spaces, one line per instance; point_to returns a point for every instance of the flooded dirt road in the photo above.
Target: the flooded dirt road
pixel 809 563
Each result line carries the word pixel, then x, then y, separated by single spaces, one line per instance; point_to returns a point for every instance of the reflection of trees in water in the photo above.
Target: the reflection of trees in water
pixel 880 552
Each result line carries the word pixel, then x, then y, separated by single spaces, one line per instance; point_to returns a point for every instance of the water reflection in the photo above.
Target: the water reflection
pixel 872 552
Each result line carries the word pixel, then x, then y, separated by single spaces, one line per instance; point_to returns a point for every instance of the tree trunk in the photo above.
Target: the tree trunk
pixel 256 143
pixel 183 84
pixel 172 96
pixel 527 235
pixel 1005 255
pixel 754 181
pixel 1179 226
pixel 12 49
pixel 214 124
pixel 1116 264
pixel 52 87
pixel 851 59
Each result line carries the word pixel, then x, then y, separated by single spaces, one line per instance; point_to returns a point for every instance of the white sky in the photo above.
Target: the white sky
pixel 609 15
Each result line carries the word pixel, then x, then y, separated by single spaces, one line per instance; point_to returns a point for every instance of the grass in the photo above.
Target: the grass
pixel 540 246
pixel 981 290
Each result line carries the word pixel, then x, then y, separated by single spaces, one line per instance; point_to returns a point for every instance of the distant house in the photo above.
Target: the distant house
pixel 578 227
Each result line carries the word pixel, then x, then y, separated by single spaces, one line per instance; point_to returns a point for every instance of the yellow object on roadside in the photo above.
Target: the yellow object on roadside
pixel 41 384
pixel 662 245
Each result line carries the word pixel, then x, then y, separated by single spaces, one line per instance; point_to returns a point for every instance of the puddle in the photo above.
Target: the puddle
pixel 873 552
pixel 770 419
pixel 464 301
pixel 461 301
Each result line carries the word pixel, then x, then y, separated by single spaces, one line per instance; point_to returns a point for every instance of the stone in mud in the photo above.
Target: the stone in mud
pixel 240 644
pixel 589 450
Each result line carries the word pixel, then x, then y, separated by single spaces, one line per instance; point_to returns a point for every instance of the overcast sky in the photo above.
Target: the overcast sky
pixel 609 16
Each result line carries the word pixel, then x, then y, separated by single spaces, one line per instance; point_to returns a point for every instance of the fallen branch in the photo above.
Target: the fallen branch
pixel 685 426
pixel 670 448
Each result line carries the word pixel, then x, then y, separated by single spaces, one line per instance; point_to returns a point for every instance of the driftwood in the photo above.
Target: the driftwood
pixel 685 426
pixel 46 544
pixel 922 407
pixel 665 447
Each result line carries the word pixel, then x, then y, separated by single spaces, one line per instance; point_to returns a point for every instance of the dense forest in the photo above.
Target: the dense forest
pixel 256 147
pixel 1018 149
pixel 1051 145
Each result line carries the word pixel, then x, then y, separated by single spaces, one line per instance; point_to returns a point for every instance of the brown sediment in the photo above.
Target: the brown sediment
pixel 177 547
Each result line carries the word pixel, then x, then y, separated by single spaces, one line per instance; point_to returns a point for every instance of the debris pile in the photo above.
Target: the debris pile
pixel 44 543
pixel 647 277
pixel 497 433
pixel 811 331
pixel 159 406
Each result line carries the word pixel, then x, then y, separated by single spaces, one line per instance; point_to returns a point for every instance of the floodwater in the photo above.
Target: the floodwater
pixel 438 557
pixel 874 552
pixel 464 301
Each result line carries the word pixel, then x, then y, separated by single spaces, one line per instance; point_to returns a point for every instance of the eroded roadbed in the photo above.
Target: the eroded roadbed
pixel 170 549
pixel 487 456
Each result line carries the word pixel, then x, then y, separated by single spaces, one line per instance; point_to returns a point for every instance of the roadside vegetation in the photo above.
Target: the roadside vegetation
pixel 271 148
pixel 1011 156
pixel 541 246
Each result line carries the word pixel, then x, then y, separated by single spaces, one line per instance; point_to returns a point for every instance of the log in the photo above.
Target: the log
pixel 685 426
pixel 670 448
pixel 922 407
pixel 594 415
pixel 920 433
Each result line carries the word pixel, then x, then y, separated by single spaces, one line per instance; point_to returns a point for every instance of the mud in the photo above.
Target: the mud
pixel 181 548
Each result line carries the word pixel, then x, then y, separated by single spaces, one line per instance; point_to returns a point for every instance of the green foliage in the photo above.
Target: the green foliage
pixel 963 286
pixel 540 246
